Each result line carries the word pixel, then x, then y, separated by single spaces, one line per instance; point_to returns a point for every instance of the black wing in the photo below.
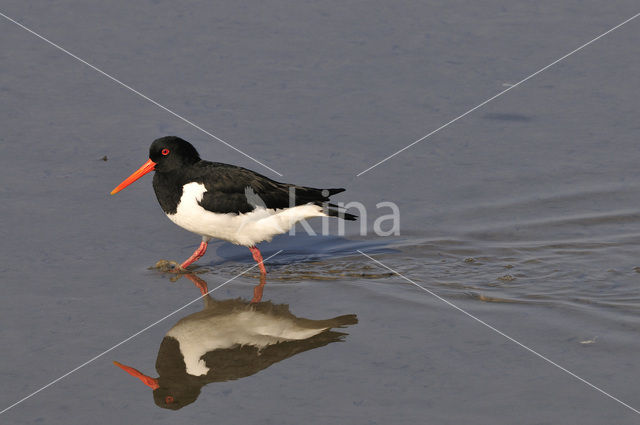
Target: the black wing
pixel 245 360
pixel 232 189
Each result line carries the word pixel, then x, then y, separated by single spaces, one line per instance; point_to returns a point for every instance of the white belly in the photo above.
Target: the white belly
pixel 261 224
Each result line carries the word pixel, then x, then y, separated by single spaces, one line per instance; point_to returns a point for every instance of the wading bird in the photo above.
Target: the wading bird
pixel 222 201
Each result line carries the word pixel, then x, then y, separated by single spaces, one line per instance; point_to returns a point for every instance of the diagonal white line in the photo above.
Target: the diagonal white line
pixel 500 94
pixel 95 68
pixel 532 351
pixel 131 337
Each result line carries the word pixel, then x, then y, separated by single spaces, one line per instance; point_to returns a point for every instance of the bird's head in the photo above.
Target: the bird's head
pixel 165 154
pixel 171 153
pixel 168 393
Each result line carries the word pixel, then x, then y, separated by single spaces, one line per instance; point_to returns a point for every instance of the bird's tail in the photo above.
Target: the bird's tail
pixel 336 322
pixel 320 197
pixel 335 211
pixel 342 321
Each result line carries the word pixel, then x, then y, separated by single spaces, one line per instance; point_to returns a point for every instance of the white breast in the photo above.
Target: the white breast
pixel 261 224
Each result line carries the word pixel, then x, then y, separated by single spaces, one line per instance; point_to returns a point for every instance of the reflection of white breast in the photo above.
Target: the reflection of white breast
pixel 198 336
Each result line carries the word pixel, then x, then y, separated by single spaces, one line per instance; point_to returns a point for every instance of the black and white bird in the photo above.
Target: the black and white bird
pixel 230 339
pixel 223 201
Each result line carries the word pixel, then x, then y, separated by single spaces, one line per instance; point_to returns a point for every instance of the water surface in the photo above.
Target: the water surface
pixel 524 214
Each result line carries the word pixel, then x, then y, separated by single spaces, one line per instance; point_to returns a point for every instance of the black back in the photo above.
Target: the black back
pixel 229 189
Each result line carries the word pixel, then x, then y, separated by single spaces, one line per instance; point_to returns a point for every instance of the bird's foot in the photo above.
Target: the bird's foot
pixel 167 266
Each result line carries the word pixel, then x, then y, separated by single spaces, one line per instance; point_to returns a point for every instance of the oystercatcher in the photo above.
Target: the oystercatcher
pixel 223 201
pixel 230 339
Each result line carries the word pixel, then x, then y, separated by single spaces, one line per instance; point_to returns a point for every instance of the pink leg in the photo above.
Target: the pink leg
pixel 258 257
pixel 257 291
pixel 196 255
pixel 200 284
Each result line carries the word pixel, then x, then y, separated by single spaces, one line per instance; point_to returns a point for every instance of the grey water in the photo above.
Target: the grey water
pixel 525 213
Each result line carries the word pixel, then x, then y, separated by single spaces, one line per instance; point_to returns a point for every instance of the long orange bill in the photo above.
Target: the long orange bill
pixel 149 381
pixel 146 167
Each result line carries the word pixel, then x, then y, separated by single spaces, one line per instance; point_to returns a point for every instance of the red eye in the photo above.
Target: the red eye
pixel 165 152
pixel 168 399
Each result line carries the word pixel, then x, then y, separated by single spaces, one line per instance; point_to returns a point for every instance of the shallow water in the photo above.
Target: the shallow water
pixel 524 213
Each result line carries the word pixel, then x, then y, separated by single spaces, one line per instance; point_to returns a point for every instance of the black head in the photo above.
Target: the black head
pixel 176 395
pixel 165 154
pixel 171 153
pixel 176 388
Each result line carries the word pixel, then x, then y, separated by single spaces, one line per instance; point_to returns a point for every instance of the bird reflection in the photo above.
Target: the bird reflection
pixel 230 339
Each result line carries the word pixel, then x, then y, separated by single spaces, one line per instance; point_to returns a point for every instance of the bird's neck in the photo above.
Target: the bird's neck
pixel 168 189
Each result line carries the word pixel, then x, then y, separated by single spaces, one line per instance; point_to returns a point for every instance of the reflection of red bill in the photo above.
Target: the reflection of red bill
pixel 146 168
pixel 149 381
